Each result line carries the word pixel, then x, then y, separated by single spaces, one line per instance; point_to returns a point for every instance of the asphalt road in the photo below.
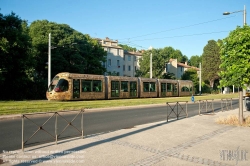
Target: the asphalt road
pixel 93 122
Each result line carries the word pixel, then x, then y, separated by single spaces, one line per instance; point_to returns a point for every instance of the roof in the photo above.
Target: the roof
pixel 132 53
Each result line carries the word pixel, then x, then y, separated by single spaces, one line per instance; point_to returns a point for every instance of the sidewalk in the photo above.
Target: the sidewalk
pixel 190 141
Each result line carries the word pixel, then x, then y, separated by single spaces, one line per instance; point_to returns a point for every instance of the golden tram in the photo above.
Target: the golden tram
pixel 72 86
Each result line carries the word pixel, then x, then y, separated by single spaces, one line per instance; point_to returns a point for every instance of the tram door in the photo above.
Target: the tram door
pixel 76 88
pixel 115 89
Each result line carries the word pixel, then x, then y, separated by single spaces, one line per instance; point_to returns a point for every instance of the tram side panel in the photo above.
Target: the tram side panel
pixel 119 87
pixel 185 88
pixel 90 87
pixel 167 88
pixel 148 88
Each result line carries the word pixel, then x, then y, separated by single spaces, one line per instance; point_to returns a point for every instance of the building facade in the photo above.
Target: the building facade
pixel 178 69
pixel 119 61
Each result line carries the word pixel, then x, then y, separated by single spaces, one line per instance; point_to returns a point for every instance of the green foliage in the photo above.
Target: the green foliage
pixel 168 76
pixel 114 73
pixel 235 58
pixel 211 62
pixel 191 74
pixel 126 47
pixel 16 58
pixel 160 57
pixel 195 61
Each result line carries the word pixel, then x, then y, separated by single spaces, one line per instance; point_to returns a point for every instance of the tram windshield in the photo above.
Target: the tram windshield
pixel 53 83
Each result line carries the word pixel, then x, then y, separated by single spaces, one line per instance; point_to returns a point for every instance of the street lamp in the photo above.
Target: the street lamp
pixel 150 48
pixel 244 14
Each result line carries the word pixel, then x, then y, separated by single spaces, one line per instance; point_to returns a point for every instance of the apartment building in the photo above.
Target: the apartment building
pixel 131 63
pixel 115 55
pixel 122 62
pixel 177 68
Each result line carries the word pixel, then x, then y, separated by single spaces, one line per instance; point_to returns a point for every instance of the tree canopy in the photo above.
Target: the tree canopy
pixel 15 54
pixel 195 61
pixel 126 47
pixel 211 62
pixel 235 58
pixel 160 57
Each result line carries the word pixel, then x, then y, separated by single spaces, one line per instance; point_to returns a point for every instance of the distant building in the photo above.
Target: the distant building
pixel 131 63
pixel 115 55
pixel 177 68
pixel 124 63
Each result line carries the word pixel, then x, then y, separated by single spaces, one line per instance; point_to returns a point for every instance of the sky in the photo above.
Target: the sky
pixel 186 25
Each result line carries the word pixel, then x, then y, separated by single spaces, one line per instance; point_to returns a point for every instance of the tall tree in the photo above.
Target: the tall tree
pixel 211 62
pixel 73 51
pixel 195 60
pixel 235 58
pixel 16 60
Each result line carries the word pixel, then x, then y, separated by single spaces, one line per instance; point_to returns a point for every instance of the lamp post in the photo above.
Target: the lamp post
pixel 49 60
pixel 244 14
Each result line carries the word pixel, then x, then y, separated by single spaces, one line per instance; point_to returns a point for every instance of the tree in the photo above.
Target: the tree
pixel 16 60
pixel 235 58
pixel 126 47
pixel 211 62
pixel 191 74
pixel 160 57
pixel 195 61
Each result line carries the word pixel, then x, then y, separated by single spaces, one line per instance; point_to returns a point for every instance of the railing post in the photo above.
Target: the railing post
pixel 82 123
pixel 56 128
pixel 186 109
pixel 206 105
pixel 199 107
pixel 177 110
pixel 23 133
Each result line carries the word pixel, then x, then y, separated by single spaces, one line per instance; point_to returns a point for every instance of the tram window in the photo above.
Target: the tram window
pixel 53 83
pixel 169 87
pixel 185 89
pixel 152 86
pixel 124 86
pixel 97 85
pixel 163 87
pixel 86 85
pixel 62 86
pixel 145 86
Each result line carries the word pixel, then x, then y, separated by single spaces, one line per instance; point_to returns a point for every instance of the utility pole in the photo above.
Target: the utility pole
pixel 49 60
pixel 200 80
pixel 151 65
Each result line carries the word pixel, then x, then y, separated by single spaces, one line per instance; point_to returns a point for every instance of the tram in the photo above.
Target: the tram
pixel 72 86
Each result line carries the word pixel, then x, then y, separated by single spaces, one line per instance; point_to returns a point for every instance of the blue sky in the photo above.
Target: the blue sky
pixel 186 25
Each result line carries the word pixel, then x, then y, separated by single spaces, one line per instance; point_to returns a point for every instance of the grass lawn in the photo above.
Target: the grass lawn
pixel 32 106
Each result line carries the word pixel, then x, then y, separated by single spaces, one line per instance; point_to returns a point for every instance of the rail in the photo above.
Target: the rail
pixel 176 111
pixel 57 135
pixel 226 103
pixel 206 104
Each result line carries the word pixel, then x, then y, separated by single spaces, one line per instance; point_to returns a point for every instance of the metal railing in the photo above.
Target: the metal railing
pixel 206 105
pixel 175 109
pixel 57 135
pixel 226 103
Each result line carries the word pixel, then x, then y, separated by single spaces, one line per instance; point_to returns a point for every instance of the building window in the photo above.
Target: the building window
pixel 109 62
pixel 129 58
pixel 134 58
pixel 123 67
pixel 129 68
